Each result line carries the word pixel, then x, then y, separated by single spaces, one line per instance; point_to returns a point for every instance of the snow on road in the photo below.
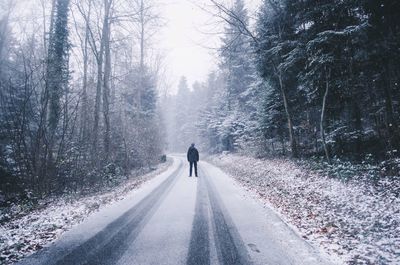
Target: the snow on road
pixel 180 220
pixel 268 239
pixel 165 237
pixel 28 231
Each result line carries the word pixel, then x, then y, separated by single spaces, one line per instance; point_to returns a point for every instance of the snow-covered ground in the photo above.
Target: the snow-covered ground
pixel 31 231
pixel 174 219
pixel 354 221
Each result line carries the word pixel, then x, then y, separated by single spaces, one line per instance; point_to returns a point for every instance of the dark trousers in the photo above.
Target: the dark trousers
pixel 191 167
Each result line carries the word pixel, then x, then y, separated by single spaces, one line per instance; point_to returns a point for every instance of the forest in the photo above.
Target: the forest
pixel 81 103
pixel 78 95
pixel 292 105
pixel 305 78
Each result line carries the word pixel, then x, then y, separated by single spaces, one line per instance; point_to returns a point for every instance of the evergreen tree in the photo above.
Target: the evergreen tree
pixel 280 54
pixel 237 66
pixel 383 62
pixel 57 69
pixel 327 57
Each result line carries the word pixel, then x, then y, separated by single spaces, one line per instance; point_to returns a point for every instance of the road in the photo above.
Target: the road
pixel 175 219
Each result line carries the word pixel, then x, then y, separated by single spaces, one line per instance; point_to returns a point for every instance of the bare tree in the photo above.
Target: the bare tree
pixel 147 22
pixel 57 118
pixel 107 75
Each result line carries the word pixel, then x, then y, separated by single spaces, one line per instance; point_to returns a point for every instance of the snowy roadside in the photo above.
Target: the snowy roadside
pixel 24 235
pixel 355 222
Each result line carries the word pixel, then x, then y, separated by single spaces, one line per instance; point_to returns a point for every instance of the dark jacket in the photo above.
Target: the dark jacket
pixel 193 154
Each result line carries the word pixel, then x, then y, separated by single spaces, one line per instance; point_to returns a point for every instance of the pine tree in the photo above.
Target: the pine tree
pixel 237 66
pixel 279 56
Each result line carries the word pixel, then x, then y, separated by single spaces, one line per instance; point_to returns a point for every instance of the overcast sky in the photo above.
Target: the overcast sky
pixel 188 40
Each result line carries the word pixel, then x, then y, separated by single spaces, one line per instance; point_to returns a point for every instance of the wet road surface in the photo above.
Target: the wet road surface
pixel 177 219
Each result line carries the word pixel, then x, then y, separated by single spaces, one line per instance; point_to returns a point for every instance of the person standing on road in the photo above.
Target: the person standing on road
pixel 193 158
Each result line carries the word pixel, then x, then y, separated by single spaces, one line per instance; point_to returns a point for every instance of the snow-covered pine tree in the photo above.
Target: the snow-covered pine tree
pixel 237 67
pixel 277 60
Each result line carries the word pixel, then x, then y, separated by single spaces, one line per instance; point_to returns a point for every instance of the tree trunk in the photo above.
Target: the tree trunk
pixel 142 24
pixel 56 79
pixel 107 73
pixel 142 34
pixel 321 124
pixel 84 109
pixel 95 133
pixel 292 139
pixel 100 59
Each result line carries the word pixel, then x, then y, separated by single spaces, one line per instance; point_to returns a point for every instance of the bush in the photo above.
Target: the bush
pixel 163 158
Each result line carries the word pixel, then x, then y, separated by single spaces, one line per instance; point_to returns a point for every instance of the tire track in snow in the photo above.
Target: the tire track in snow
pixel 229 244
pixel 107 246
pixel 230 247
pixel 199 248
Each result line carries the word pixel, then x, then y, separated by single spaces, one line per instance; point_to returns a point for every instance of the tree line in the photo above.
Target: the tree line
pixel 335 65
pixel 305 78
pixel 78 95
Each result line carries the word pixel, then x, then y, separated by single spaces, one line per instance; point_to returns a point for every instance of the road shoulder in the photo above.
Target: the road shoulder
pixel 85 224
pixel 269 240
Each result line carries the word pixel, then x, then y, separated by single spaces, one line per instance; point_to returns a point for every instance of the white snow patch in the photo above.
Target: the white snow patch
pixel 22 236
pixel 355 222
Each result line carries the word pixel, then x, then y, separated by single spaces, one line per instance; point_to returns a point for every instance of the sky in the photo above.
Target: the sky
pixel 190 39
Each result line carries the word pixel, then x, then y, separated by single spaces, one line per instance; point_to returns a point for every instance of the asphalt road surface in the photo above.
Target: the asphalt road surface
pixel 175 219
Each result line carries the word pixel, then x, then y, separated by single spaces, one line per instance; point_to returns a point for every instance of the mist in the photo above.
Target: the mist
pixel 149 121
